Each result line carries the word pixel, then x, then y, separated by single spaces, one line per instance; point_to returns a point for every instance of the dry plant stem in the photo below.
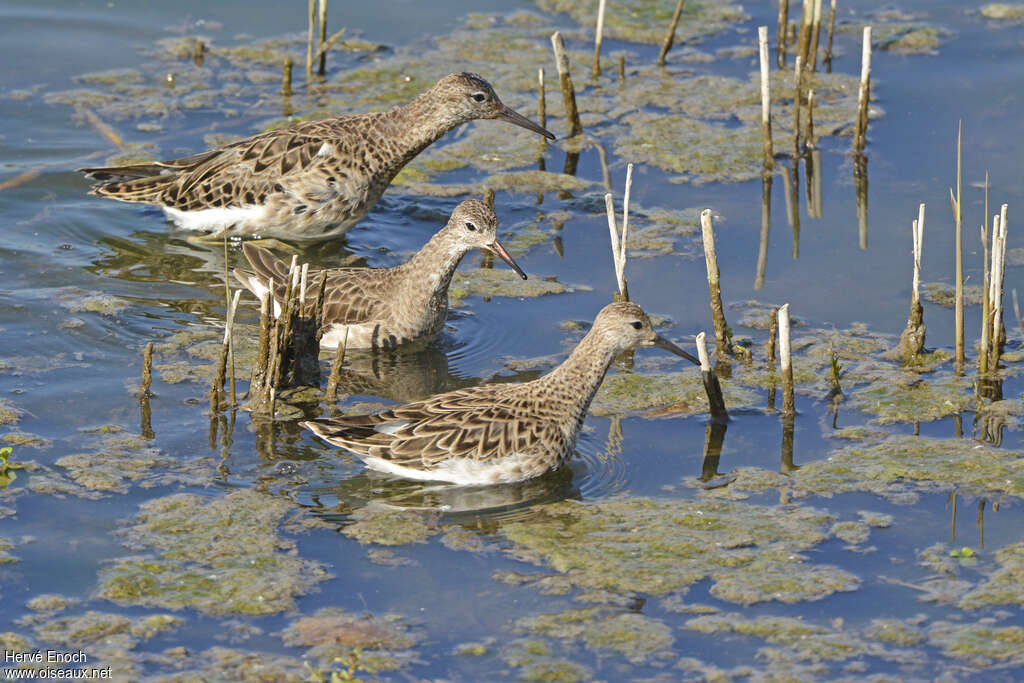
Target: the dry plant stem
pixel 259 372
pixel 595 69
pixel 780 36
pixel 766 99
pixel 666 44
pixel 231 343
pixel 958 255
pixel 986 304
pixel 766 221
pixel 286 77
pixel 712 387
pixel 798 76
pixel 864 94
pixel 108 133
pixel 810 120
pixel 331 394
pixel 831 31
pixel 913 336
pixel 572 114
pixel 613 233
pixel 322 21
pixel 785 362
pixel 815 34
pixel 309 42
pixel 147 370
pixel 1016 311
pixel 997 333
pixel 542 105
pixel 723 347
pixel 773 333
pixel 327 44
pixel 803 48
pixel 622 71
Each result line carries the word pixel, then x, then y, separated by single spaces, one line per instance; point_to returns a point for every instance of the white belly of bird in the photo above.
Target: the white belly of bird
pixel 215 220
pixel 467 471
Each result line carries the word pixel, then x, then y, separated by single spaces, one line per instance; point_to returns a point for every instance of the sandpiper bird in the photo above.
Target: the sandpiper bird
pixel 385 307
pixel 496 433
pixel 308 181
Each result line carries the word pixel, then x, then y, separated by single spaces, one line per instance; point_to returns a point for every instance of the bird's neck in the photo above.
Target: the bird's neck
pixel 422 122
pixel 433 266
pixel 583 371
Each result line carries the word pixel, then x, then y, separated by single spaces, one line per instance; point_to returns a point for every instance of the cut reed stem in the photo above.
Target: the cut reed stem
pixel 595 69
pixel 782 30
pixel 864 93
pixel 960 355
pixel 309 42
pixel 322 53
pixel 723 347
pixel 670 37
pixel 766 99
pixel 815 34
pixel 572 114
pixel 712 387
pixel 831 31
pixel 785 362
pixel 147 370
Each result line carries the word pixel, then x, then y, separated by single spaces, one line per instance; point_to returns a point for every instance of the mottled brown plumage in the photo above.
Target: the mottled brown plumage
pixel 496 433
pixel 307 181
pixel 385 307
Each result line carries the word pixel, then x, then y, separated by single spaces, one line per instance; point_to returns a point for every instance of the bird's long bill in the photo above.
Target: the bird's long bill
pixel 663 343
pixel 512 116
pixel 496 247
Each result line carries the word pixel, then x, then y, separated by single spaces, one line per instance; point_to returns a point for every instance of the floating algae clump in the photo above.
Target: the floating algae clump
pixel 387 526
pixel 502 282
pixel 673 393
pixel 699 152
pixel 219 556
pixel 634 636
pixel 894 632
pixel 660 546
pixel 806 641
pixel 537 662
pixel 1003 11
pixel 332 631
pixel 646 21
pixel 979 644
pixel 907 464
pixel 905 397
pixel 1005 585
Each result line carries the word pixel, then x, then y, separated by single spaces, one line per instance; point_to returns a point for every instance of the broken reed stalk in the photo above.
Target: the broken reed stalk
pixel 766 99
pixel 995 290
pixel 958 255
pixel 322 19
pixel 723 347
pixel 217 386
pixel 827 61
pixel 331 393
pixel 806 27
pixel 595 69
pixel 259 370
pixel 572 114
pixel 231 344
pixel 780 34
pixel 912 338
pixel 622 70
pixel 773 333
pixel 798 76
pixel 810 121
pixel 785 362
pixel 766 221
pixel 327 44
pixel 712 387
pixel 670 37
pixel 864 94
pixel 986 305
pixel 618 248
pixel 812 63
pixel 286 77
pixel 542 105
pixel 147 371
pixel 309 42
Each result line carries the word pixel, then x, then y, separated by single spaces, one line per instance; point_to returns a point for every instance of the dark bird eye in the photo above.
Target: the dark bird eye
pixel 470 226
pixel 637 325
pixel 479 96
